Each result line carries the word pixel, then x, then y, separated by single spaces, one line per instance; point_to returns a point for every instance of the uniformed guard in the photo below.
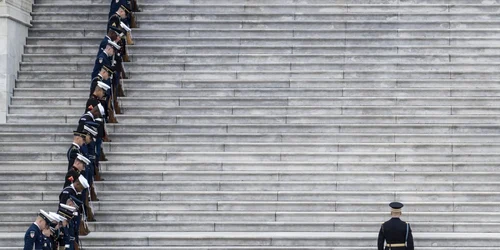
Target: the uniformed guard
pixel 104 58
pixel 78 219
pixel 395 232
pixel 55 230
pixel 91 128
pixel 98 98
pixel 117 20
pixel 78 168
pixel 67 239
pixel 114 34
pixel 72 195
pixel 91 116
pixel 34 239
pixel 103 75
pixel 76 147
pixel 75 189
pixel 57 233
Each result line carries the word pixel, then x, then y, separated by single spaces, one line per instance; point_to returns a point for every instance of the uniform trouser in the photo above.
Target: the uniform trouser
pixel 89 173
pixel 98 146
pixel 76 229
pixel 116 82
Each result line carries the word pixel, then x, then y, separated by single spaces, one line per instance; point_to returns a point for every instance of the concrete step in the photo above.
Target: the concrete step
pixel 277 33
pixel 275 75
pixel 265 157
pixel 260 16
pixel 173 147
pixel 273 92
pixel 292 83
pixel 256 101
pixel 304 217
pixel 414 167
pixel 217 119
pixel 278 8
pixel 270 41
pixel 272 66
pixel 270 24
pixel 273 49
pixel 317 184
pixel 272 58
pixel 271 110
pixel 266 227
pixel 416 129
pixel 269 176
pixel 459 208
pixel 266 240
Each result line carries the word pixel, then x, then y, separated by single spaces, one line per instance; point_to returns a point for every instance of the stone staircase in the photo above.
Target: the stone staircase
pixel 268 124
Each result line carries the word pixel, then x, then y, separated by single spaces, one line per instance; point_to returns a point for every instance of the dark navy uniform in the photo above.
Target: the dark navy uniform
pixel 103 44
pixel 74 224
pixel 115 21
pixel 395 232
pixel 115 5
pixel 72 153
pixel 33 239
pixel 47 243
pixel 93 84
pixel 66 194
pixel 92 102
pixel 66 231
pixel 102 59
pixel 84 119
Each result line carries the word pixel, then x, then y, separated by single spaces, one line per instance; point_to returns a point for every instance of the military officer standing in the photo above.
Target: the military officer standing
pixel 104 58
pixel 75 148
pixel 68 212
pixel 78 168
pixel 34 239
pixel 395 232
pixel 116 20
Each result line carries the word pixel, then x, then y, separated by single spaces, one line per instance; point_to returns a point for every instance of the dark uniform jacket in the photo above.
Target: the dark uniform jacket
pixel 92 102
pixel 84 119
pixel 67 193
pixel 47 243
pixel 33 239
pixel 93 84
pixel 115 21
pixel 102 59
pixel 394 231
pixel 115 5
pixel 72 153
pixel 103 44
pixel 71 234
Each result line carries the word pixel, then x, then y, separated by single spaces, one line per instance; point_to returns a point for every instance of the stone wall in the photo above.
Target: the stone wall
pixel 14 23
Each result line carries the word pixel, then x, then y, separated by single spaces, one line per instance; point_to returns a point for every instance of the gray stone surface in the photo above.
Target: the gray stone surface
pixel 277 124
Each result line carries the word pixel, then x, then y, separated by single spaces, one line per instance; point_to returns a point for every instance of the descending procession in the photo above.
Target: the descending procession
pixel 251 125
pixel 62 230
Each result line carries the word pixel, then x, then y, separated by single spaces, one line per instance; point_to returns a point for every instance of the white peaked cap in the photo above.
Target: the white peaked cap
pixel 101 109
pixel 103 85
pixel 83 181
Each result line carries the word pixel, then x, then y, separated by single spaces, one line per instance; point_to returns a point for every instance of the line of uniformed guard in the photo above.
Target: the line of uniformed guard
pixel 61 230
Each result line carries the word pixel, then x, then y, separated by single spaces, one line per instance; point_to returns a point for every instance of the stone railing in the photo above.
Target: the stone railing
pixel 15 21
pixel 25 5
